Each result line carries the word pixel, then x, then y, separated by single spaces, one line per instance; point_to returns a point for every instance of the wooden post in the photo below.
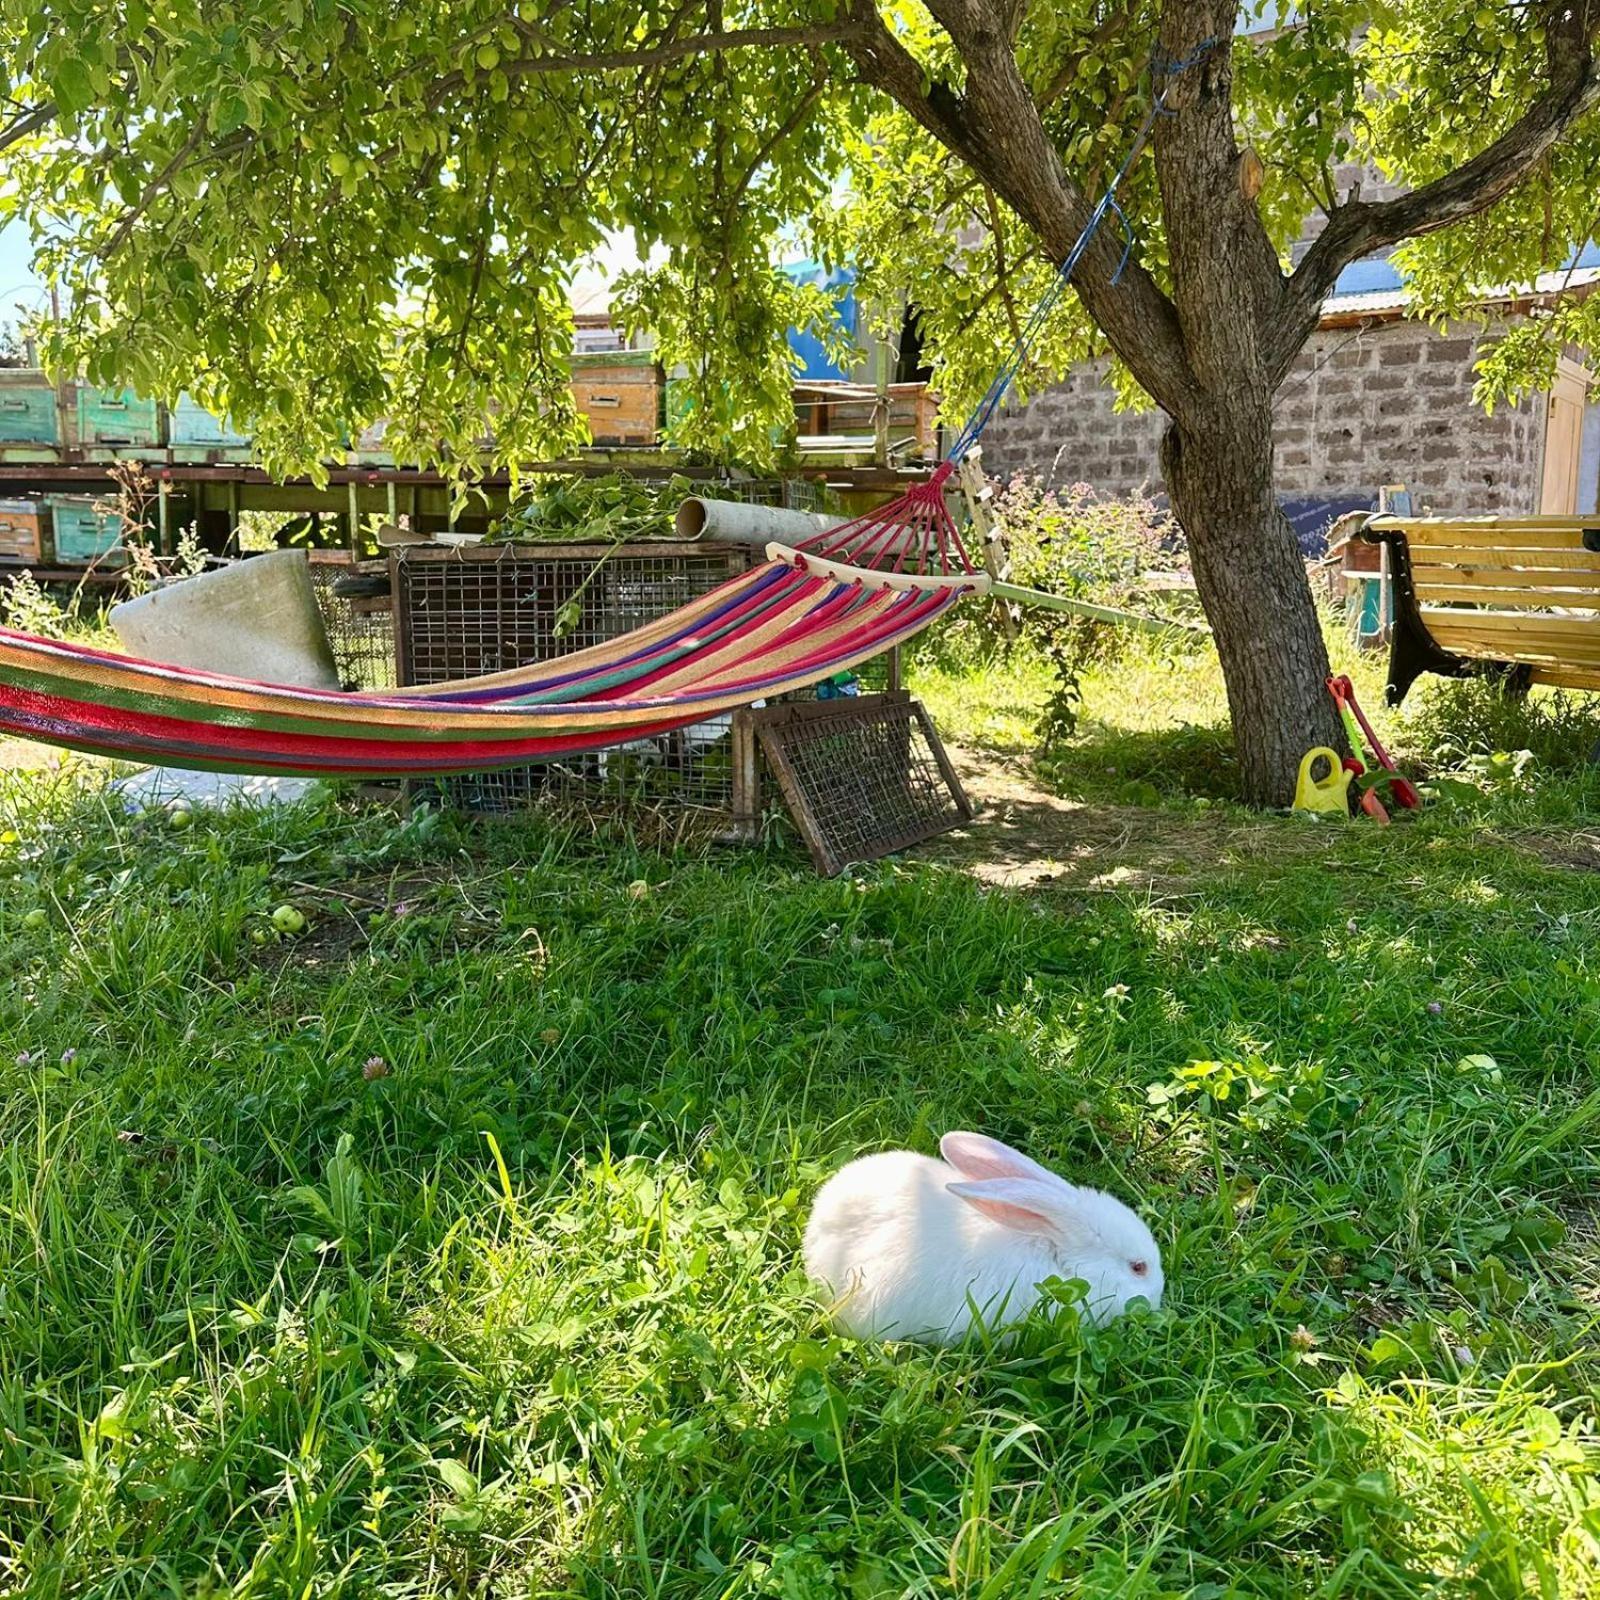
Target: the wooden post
pixel 162 547
pixel 402 644
pixel 394 505
pixel 233 515
pixel 66 413
pixel 880 411
pixel 746 797
pixel 1385 599
pixel 355 521
pixel 991 533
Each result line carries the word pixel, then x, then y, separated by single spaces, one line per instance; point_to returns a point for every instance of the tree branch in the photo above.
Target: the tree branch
pixel 996 130
pixel 650 55
pixel 481 256
pixel 1214 232
pixel 1358 228
pixel 1002 277
pixel 152 189
pixel 780 135
pixel 1116 22
pixel 30 122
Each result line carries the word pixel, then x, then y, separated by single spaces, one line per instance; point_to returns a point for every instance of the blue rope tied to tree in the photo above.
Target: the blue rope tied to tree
pixel 1164 68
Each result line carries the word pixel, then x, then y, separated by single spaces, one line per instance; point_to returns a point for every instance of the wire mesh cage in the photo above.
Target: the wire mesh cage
pixel 356 610
pixel 795 494
pixel 463 612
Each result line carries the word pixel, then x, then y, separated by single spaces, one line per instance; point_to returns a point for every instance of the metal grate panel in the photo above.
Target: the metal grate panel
pixel 360 626
pixel 862 777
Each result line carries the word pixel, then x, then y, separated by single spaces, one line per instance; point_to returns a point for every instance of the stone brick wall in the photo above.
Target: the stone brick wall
pixel 1390 403
pixel 1393 404
pixel 1350 177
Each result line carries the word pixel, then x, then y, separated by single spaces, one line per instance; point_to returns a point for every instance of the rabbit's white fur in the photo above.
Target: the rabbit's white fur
pixel 908 1247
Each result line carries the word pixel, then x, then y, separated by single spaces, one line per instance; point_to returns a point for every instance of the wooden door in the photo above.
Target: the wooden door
pixel 1563 440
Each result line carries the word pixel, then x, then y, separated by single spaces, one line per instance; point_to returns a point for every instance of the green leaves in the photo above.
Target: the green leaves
pixel 312 215
pixel 72 87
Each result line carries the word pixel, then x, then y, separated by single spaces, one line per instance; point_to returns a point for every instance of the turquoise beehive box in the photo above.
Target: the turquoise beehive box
pixel 191 424
pixel 117 416
pixel 28 412
pixel 85 530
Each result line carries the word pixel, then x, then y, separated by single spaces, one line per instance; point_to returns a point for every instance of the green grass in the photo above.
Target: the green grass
pixel 518 1311
pixel 1153 720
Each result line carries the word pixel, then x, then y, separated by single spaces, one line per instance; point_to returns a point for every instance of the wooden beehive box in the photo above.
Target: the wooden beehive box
pixel 28 410
pixel 191 425
pixel 23 524
pixel 837 408
pixel 622 393
pixel 84 530
pixel 117 416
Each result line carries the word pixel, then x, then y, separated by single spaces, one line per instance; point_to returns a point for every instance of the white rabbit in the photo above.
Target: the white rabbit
pixel 908 1247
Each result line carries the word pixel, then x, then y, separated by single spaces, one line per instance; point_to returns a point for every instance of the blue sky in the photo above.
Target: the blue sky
pixel 17 280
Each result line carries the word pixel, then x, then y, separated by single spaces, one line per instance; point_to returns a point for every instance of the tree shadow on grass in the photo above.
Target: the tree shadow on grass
pixel 1141 766
pixel 1032 829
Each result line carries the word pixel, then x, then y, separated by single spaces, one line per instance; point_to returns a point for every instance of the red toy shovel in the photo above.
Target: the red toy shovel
pixel 1344 697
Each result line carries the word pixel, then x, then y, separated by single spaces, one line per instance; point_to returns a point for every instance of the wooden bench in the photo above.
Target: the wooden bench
pixel 1516 597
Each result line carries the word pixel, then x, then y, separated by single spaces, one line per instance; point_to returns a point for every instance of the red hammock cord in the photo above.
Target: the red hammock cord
pixel 914 528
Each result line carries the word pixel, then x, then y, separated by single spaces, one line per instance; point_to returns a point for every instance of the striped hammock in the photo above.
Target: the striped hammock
pixel 799 617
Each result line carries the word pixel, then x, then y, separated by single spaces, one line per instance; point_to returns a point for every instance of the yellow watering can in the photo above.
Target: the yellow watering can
pixel 1323 794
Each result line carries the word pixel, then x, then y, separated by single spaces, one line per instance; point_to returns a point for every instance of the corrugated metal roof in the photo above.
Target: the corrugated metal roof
pixel 1377 302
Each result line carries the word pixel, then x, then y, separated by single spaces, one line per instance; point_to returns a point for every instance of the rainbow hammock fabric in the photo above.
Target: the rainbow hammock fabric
pixel 797 618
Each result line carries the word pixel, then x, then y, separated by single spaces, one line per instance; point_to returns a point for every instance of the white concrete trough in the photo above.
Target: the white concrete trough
pixel 255 619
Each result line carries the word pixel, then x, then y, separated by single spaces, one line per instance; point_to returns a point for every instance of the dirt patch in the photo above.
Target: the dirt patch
pixel 346 916
pixel 1024 836
pixel 1578 852
pixel 24 755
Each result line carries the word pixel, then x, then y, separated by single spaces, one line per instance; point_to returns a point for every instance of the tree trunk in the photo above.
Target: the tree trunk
pixel 1252 582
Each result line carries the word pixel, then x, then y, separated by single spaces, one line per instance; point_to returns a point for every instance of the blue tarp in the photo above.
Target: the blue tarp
pixel 814 363
pixel 1309 515
pixel 1312 515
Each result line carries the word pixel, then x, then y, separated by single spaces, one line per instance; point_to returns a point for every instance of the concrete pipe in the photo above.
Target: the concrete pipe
pixel 734 522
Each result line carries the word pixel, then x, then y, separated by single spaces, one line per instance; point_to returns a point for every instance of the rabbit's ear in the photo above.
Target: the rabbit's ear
pixel 1019 1203
pixel 974 1155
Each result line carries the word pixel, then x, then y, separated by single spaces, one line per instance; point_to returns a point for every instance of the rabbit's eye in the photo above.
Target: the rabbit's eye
pixel 1140 1268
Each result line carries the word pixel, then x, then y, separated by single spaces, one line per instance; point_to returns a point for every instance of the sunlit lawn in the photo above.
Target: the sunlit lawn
pixel 451 1250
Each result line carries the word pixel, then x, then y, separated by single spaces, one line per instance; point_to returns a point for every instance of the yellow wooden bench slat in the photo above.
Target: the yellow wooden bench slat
pixel 1530 639
pixel 1506 530
pixel 1426 575
pixel 1458 536
pixel 1528 560
pixel 1530 622
pixel 1568 677
pixel 1431 593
